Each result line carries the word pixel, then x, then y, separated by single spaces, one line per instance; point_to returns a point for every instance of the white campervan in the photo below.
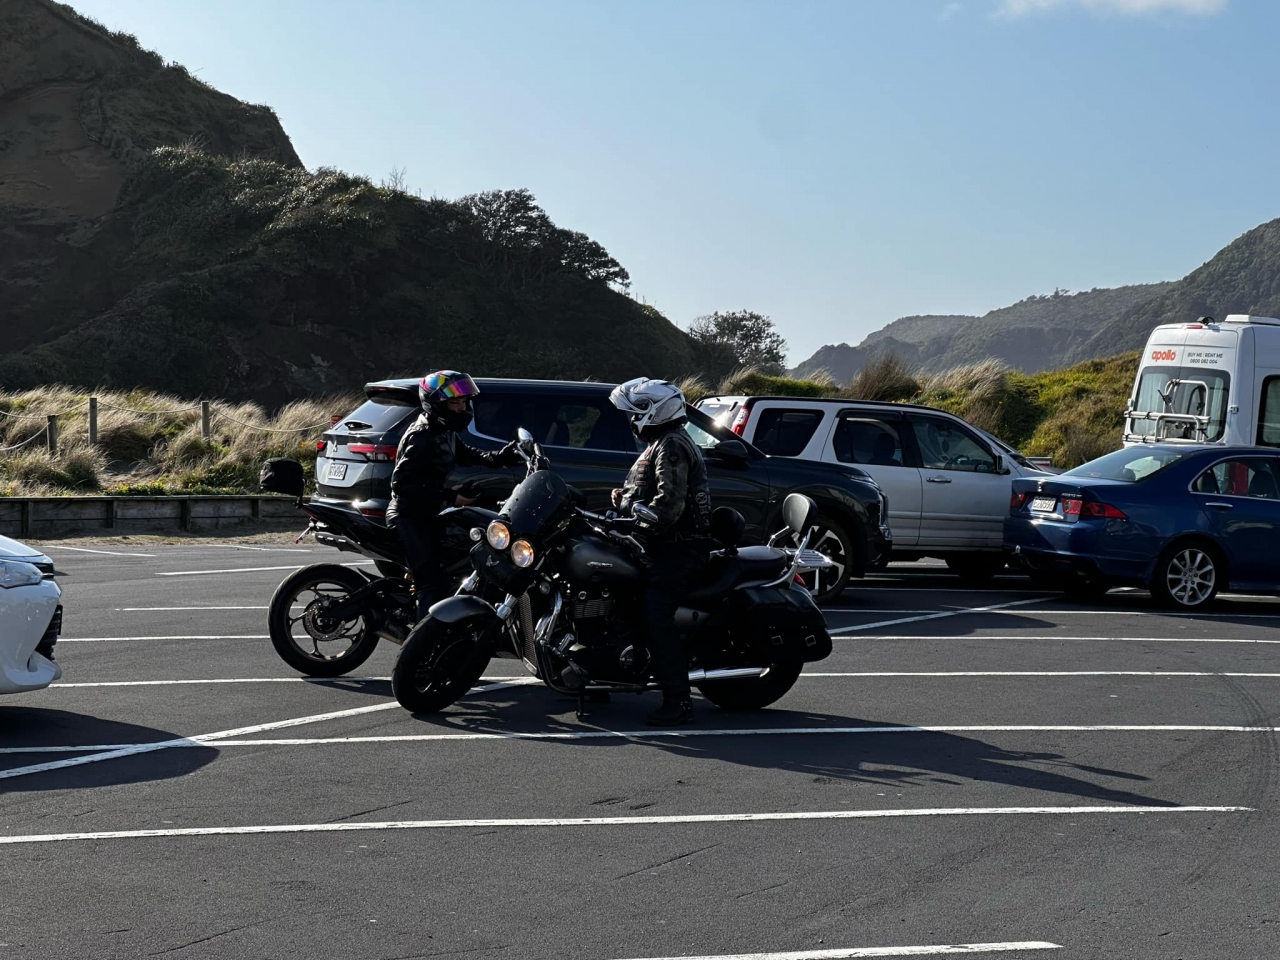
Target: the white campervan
pixel 1208 382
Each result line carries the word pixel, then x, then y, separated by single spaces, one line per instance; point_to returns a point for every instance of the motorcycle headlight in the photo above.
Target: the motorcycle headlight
pixel 522 553
pixel 15 574
pixel 498 535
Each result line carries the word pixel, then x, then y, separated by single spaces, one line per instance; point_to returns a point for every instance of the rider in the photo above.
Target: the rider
pixel 425 458
pixel 669 477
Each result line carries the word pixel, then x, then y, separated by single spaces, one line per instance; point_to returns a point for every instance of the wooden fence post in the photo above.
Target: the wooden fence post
pixel 93 421
pixel 51 434
pixel 205 432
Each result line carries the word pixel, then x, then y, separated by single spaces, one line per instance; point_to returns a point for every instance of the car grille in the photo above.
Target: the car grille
pixel 51 634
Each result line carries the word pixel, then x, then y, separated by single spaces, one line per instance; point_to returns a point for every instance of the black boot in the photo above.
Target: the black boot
pixel 674 712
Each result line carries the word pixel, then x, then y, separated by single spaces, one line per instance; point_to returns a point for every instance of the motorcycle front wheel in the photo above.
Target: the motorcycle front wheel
pixel 438 663
pixel 308 641
pixel 753 693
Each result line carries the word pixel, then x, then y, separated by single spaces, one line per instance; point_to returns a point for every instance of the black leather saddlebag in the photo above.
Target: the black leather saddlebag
pixel 282 475
pixel 780 623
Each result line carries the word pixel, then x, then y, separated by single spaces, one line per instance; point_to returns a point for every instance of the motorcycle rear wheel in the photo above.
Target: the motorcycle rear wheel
pixel 753 693
pixel 323 580
pixel 438 664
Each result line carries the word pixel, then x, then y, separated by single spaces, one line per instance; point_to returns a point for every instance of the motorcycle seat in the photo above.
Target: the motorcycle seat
pixel 726 570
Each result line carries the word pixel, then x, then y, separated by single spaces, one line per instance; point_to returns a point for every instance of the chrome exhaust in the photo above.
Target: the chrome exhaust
pixel 734 673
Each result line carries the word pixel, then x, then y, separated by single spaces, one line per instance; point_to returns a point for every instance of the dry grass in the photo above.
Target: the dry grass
pixel 885 378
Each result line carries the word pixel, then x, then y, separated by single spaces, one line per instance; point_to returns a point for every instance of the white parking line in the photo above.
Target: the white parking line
pixel 314 681
pixel 234 738
pixel 203 636
pixel 1208 617
pixel 156 609
pixel 850 953
pixel 348 826
pixel 105 553
pixel 294 566
pixel 241 546
pixel 1051 636
pixel 936 616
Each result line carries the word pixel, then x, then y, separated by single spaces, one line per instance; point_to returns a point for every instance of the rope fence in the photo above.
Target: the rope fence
pixel 206 410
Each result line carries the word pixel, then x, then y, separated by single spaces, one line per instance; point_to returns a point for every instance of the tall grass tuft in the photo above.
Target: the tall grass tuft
pixel 885 378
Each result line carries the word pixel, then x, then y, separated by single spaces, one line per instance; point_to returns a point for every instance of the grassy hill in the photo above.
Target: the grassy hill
pixel 192 253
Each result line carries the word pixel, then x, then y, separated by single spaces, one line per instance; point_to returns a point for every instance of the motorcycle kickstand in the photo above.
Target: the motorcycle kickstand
pixel 582 705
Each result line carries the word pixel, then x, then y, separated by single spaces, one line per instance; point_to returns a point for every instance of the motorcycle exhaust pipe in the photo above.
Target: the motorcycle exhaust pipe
pixel 734 673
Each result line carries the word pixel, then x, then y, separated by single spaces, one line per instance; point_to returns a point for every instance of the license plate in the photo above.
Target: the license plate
pixel 337 471
pixel 1044 504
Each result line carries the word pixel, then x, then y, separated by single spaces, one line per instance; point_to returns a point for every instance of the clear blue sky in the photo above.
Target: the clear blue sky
pixel 833 164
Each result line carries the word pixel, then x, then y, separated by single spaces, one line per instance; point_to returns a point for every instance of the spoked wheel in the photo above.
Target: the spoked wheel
pixel 438 664
pixel 831 540
pixel 1187 577
pixel 753 693
pixel 305 637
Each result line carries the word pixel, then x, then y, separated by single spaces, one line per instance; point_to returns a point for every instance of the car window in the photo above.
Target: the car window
pixel 1183 392
pixel 1246 477
pixel 1269 414
pixel 1131 464
pixel 721 411
pixel 703 439
pixel 784 433
pixel 946 446
pixel 868 440
pixel 371 415
pixel 584 422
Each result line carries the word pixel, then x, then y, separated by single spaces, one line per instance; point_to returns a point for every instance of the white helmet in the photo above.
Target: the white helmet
pixel 651 403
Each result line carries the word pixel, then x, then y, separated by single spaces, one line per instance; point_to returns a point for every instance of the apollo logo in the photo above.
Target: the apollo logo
pixel 1167 355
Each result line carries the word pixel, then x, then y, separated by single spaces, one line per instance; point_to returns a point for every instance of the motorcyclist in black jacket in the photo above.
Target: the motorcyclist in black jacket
pixel 427 454
pixel 670 477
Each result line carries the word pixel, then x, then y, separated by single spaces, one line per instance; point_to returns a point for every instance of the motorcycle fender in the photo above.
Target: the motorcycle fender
pixel 460 608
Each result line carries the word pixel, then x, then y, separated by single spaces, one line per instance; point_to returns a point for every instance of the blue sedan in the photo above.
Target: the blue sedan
pixel 1183 522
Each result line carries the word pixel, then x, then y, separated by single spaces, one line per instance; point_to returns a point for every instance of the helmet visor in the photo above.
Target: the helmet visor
pixel 450 387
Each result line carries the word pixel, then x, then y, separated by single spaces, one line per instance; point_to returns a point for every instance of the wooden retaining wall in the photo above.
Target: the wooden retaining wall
pixel 38 517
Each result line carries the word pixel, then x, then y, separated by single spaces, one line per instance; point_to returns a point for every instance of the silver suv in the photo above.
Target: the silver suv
pixel 948 482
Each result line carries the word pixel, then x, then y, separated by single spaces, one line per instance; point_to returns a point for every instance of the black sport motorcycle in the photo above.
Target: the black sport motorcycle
pixel 326 619
pixel 560 588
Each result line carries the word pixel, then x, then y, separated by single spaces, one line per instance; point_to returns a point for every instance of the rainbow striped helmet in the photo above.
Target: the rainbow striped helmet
pixel 445 385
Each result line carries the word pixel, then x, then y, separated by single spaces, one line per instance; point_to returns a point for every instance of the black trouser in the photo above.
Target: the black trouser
pixel 422 556
pixel 672 565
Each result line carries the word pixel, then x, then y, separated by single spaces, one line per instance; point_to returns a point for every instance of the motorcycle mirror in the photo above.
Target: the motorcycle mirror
pixel 524 436
pixel 642 512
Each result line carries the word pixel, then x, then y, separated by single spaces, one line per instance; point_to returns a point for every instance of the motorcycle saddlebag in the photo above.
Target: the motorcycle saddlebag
pixel 777 620
pixel 282 475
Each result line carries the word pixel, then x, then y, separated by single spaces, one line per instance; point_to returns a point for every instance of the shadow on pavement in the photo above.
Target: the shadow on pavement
pixel 29 727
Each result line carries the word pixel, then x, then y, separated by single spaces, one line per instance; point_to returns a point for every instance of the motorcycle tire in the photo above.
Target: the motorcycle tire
pixel 753 693
pixel 438 664
pixel 280 627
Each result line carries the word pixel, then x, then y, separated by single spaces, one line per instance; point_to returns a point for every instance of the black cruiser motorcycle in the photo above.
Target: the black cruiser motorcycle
pixel 326 619
pixel 560 588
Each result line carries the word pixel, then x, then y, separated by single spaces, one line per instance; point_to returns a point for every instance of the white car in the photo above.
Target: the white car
pixel 947 482
pixel 30 618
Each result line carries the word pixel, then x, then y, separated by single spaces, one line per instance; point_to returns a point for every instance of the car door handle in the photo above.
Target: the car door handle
pixel 1220 506
pixel 937 479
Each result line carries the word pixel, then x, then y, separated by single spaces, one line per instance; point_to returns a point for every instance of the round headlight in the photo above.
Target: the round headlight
pixel 522 553
pixel 498 535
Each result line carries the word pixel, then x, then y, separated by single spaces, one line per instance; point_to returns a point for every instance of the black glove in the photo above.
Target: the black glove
pixel 509 455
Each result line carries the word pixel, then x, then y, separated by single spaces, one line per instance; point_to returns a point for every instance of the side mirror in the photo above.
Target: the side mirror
pixel 641 512
pixel 731 450
pixel 524 436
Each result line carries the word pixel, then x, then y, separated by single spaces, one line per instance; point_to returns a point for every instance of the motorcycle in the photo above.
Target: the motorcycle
pixel 560 588
pixel 326 619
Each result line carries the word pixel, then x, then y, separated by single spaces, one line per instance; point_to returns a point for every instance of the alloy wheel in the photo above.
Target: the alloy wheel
pixel 1191 577
pixel 829 544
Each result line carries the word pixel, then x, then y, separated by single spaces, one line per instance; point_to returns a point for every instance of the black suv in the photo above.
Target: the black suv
pixel 590 444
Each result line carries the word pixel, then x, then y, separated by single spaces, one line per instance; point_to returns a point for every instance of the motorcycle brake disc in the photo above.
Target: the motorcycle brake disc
pixel 317 625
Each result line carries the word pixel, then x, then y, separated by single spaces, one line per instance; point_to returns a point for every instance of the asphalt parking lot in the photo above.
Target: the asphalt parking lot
pixel 984 771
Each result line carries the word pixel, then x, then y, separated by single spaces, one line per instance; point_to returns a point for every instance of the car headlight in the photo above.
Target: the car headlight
pixel 522 553
pixel 498 535
pixel 16 574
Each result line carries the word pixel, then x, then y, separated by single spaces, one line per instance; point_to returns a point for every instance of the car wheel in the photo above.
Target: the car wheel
pixel 830 539
pixel 1187 576
pixel 976 567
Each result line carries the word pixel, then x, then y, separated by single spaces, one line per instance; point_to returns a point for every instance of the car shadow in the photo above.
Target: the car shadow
pixel 40 727
pixel 887 758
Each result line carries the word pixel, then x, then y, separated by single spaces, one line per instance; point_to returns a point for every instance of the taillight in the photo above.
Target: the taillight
pixel 1017 500
pixel 320 445
pixel 1104 510
pixel 1071 506
pixel 740 421
pixel 373 451
pixel 370 512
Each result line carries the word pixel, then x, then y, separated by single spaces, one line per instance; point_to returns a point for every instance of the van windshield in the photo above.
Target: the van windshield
pixel 1181 392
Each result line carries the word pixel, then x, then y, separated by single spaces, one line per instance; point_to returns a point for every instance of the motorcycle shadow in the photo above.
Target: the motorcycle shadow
pixel 39 727
pixel 780 739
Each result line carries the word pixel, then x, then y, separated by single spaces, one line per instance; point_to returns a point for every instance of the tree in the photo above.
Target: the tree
pixel 750 336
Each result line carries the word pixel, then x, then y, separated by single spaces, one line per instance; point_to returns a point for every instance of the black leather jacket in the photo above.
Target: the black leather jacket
pixel 424 460
pixel 670 477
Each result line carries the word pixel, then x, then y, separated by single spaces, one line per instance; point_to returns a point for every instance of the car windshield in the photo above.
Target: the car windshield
pixel 1181 392
pixel 720 411
pixel 708 433
pixel 1131 464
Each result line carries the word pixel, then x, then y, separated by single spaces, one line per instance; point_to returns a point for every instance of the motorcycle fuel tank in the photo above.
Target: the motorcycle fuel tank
pixel 593 560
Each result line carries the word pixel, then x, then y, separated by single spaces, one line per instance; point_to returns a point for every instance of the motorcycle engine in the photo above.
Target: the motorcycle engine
pixel 602 627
